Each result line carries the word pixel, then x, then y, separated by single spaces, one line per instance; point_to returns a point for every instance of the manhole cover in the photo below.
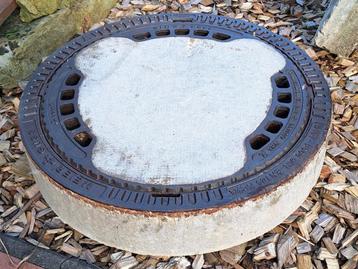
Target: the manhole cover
pixel 176 134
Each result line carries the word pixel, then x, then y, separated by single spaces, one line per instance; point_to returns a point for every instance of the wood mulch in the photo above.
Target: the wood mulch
pixel 322 233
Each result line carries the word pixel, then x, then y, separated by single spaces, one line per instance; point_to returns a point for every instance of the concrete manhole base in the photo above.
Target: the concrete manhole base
pixel 176 134
pixel 174 234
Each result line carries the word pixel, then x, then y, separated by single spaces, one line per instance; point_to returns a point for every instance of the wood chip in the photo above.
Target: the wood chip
pixel 323 254
pixel 286 244
pixel 338 234
pixel 317 234
pixel 331 247
pixel 351 203
pixel 304 262
pixel 332 264
pixel 67 248
pixel 349 252
pixel 303 247
pixel 198 261
pixel 265 252
pixel 349 239
pixel 87 255
pixel 150 7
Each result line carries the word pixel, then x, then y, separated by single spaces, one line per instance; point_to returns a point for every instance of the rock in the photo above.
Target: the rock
pixel 33 9
pixel 337 31
pixel 23 46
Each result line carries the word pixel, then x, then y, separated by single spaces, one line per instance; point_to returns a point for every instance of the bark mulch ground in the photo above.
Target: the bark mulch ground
pixel 321 233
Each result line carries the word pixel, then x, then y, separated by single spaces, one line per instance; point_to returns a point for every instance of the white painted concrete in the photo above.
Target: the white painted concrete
pixel 165 235
pixel 174 110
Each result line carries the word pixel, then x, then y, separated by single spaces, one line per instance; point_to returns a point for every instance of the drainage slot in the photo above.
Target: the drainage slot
pixel 282 82
pixel 67 109
pixel 182 31
pixel 73 79
pixel 83 138
pixel 165 195
pixel 284 97
pixel 142 36
pixel 274 127
pixel 72 124
pixel 221 36
pixel 162 32
pixel 259 141
pixel 282 112
pixel 183 20
pixel 67 94
pixel 201 32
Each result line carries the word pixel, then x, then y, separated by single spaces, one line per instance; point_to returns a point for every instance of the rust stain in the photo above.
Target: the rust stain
pixel 179 214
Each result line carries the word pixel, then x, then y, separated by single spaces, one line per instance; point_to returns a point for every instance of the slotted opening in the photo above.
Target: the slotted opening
pixel 182 31
pixel 166 195
pixel 83 138
pixel 259 141
pixel 201 32
pixel 284 97
pixel 183 20
pixel 141 36
pixel 282 112
pixel 282 82
pixel 274 127
pixel 221 36
pixel 162 32
pixel 67 109
pixel 67 94
pixel 73 79
pixel 72 124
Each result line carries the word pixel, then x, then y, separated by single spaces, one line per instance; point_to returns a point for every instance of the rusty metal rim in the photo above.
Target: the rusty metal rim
pixel 143 198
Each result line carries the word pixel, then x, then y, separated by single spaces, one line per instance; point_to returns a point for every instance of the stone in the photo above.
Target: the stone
pixel 23 45
pixel 33 9
pixel 338 29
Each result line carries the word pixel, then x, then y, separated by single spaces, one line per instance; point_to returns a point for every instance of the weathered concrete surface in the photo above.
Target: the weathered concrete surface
pixel 188 233
pixel 198 114
pixel 23 46
pixel 338 31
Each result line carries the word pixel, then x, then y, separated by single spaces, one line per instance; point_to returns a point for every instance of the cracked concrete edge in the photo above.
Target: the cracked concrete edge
pixel 338 28
pixel 181 234
pixel 44 258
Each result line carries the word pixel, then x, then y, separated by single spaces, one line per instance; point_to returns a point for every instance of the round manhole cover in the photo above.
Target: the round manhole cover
pixel 176 134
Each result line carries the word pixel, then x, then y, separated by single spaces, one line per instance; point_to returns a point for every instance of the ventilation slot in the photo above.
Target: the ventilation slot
pixel 282 82
pixel 72 124
pixel 282 112
pixel 221 36
pixel 259 141
pixel 284 98
pixel 201 32
pixel 83 138
pixel 67 109
pixel 274 127
pixel 142 36
pixel 73 79
pixel 67 94
pixel 162 32
pixel 182 31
